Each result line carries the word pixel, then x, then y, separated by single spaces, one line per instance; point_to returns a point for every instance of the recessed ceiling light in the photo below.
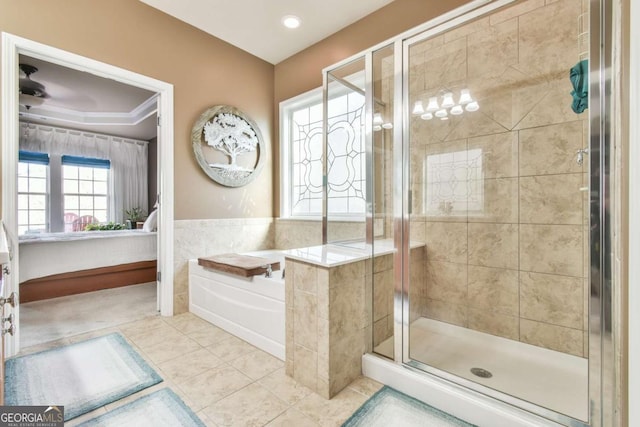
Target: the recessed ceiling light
pixel 291 21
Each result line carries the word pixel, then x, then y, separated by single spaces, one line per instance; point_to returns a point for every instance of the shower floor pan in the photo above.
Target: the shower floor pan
pixel 551 379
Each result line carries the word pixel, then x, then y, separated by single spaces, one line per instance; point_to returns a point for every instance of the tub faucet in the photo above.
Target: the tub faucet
pixel 269 270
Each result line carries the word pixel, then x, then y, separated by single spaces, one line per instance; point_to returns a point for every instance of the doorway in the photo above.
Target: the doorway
pixel 14 46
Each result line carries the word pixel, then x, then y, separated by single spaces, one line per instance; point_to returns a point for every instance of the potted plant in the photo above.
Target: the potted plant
pixel 134 215
pixel 105 227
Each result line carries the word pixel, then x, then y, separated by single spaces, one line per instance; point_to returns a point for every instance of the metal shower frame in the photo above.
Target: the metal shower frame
pixel 602 380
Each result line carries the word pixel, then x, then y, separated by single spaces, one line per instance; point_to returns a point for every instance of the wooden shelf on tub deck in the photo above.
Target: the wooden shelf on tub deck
pixel 240 265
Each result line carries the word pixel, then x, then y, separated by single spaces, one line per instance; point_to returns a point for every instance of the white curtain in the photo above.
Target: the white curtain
pixel 128 173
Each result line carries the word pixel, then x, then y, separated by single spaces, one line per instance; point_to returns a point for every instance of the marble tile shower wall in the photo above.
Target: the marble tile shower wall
pixel 204 237
pixel 510 260
pixel 382 288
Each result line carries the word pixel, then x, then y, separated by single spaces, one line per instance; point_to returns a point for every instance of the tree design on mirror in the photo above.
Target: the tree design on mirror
pixel 228 146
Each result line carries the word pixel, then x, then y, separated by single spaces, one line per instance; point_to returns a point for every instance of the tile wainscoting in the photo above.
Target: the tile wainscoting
pixel 297 233
pixel 303 233
pixel 205 237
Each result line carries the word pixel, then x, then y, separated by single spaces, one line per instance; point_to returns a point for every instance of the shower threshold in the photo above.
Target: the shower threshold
pixel 547 378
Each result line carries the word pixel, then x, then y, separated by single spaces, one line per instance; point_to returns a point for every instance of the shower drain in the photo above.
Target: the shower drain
pixel 482 373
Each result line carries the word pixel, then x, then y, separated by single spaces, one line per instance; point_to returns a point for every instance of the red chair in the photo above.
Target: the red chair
pixel 80 223
pixel 69 219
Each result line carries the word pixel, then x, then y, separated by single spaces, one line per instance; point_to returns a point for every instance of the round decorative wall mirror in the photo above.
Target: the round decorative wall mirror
pixel 228 146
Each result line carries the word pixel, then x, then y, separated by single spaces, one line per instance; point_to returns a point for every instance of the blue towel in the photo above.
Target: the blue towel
pixel 579 76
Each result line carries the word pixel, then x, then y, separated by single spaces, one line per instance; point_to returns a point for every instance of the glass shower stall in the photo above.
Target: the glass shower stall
pixel 471 158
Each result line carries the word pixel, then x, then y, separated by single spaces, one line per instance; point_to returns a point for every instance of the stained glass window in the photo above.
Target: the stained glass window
pixel 345 157
pixel 453 183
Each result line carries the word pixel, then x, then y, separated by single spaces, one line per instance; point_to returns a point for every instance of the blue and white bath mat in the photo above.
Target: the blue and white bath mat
pixel 81 376
pixel 390 408
pixel 162 408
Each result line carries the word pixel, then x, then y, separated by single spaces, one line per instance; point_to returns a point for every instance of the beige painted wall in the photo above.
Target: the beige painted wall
pixel 204 70
pixel 303 72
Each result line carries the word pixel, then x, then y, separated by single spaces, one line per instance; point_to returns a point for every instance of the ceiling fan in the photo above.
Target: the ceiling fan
pixel 32 93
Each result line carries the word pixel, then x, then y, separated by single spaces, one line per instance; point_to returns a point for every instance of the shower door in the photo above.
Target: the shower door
pixel 361 179
pixel 386 182
pixel 496 206
pixel 347 160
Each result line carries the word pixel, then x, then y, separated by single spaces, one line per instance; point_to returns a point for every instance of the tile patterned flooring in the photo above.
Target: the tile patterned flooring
pixel 223 379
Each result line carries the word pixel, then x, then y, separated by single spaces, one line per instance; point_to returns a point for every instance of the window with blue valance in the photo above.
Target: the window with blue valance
pixel 86 161
pixel 33 157
pixel 126 166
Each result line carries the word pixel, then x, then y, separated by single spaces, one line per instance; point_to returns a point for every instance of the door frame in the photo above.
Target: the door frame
pixel 634 218
pixel 12 46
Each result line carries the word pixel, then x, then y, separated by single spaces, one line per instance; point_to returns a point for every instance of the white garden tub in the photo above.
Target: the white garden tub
pixel 250 308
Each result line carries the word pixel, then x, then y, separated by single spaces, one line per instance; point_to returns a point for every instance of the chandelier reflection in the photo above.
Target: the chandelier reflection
pixel 446 106
pixel 379 123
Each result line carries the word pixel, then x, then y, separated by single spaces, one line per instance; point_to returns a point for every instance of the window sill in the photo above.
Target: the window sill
pixel 79 235
pixel 319 219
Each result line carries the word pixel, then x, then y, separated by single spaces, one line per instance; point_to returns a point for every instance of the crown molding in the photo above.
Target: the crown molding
pixel 131 118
